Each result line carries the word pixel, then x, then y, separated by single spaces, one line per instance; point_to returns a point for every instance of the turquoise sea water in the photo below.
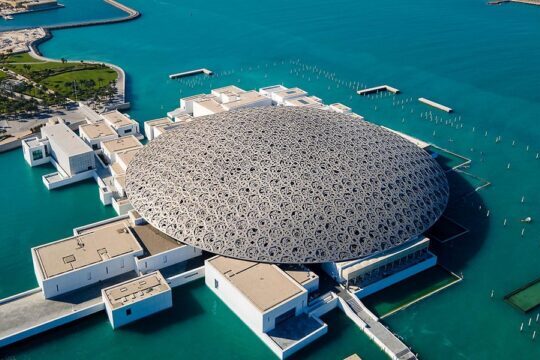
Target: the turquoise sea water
pixel 481 60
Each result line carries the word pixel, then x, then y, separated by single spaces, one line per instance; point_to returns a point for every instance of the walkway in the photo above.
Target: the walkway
pixel 390 343
pixel 32 313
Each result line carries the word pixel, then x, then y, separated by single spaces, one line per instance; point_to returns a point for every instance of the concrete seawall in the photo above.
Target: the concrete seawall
pixel 131 14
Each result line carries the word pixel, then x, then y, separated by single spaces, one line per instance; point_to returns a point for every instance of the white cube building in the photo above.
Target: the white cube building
pixel 121 123
pixel 137 298
pixel 96 133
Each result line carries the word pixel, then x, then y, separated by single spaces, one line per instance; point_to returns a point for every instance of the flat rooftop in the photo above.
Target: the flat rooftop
pixel 127 156
pixel 245 98
pixel 163 120
pixel 97 130
pixel 153 240
pixel 303 101
pixel 135 290
pixel 94 245
pixel 123 143
pixel 64 139
pixel 116 119
pixel 292 92
pixel 231 89
pixel 299 273
pixel 210 104
pixel 265 285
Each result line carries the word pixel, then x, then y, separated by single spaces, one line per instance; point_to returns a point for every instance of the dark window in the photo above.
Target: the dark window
pixel 216 283
pixel 128 312
pixel 95 146
pixel 37 154
pixel 127 131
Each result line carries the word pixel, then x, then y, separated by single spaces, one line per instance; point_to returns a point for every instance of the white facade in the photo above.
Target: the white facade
pixel 135 299
pixel 258 321
pixel 69 151
pixel 36 151
pixel 167 258
pixel 149 126
pixel 94 134
pixel 121 123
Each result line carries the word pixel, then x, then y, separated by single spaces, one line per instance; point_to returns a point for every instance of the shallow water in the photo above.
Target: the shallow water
pixel 480 60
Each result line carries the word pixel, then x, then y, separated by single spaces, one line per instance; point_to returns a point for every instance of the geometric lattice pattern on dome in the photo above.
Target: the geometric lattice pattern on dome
pixel 286 185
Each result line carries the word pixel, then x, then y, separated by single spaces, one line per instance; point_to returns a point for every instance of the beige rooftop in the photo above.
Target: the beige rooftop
pixel 116 119
pixel 210 104
pixel 126 156
pixel 245 98
pixel 154 122
pixel 97 130
pixel 134 290
pixel 299 273
pixel 123 143
pixel 154 240
pixel 265 285
pixel 94 245
pixel 292 92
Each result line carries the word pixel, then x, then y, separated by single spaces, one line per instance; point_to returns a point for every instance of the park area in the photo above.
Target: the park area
pixel 73 80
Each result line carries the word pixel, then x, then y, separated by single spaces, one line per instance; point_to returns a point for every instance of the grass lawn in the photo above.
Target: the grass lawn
pixel 408 291
pixel 58 82
pixel 18 58
pixel 56 75
pixel 2 75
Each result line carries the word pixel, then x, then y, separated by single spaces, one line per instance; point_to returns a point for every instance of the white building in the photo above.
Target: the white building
pixel 121 123
pixel 73 158
pixel 373 273
pixel 137 298
pixel 96 133
pixel 268 300
pixel 112 147
pixel 98 253
pixel 150 125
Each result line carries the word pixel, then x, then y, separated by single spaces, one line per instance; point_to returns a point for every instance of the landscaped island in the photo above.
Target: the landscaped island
pixel 26 80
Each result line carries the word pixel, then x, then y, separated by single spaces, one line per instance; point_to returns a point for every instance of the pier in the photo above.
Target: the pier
pixel 29 313
pixel 191 73
pixel 370 325
pixel 435 105
pixel 377 89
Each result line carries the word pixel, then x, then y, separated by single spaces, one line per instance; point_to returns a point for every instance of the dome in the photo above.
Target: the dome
pixel 286 185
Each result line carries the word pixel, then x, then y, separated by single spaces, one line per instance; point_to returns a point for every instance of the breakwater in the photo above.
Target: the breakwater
pixel 131 14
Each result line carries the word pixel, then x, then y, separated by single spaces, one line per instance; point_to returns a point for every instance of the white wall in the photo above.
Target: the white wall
pixel 397 277
pixel 85 276
pixel 140 309
pixel 167 258
pixel 244 308
pixel 234 299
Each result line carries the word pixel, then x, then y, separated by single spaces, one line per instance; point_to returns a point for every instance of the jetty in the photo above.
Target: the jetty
pixel 131 14
pixel 435 105
pixel 30 313
pixel 528 2
pixel 377 89
pixel 191 73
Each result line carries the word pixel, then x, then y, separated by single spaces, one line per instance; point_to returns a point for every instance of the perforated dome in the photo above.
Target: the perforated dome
pixel 286 185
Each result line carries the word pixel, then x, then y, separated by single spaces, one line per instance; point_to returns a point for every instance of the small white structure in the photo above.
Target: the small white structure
pixel 95 254
pixel 340 108
pixel 137 298
pixel 121 123
pixel 95 133
pixel 268 300
pixel 112 147
pixel 150 125
pixel 375 272
pixel 304 101
pixel 279 97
